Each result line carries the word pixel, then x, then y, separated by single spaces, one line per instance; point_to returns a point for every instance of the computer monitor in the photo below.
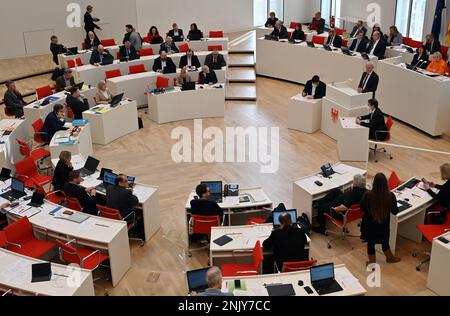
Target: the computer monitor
pixel 196 280
pixel 91 164
pixel 215 187
pixel 277 214
pixel 110 178
pixel 73 50
pixel 322 272
pixel 5 174
pixel 116 100
pixel 17 185
pixel 131 180
pixel 102 173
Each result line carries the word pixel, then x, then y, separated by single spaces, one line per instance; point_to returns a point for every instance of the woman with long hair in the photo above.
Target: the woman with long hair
pixel 378 205
pixel 395 37
pixel 153 36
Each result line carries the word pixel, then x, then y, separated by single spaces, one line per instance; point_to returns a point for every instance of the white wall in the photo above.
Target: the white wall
pixel 357 8
pixel 300 10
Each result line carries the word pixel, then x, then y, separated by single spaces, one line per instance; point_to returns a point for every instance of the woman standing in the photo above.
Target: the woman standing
pixel 378 205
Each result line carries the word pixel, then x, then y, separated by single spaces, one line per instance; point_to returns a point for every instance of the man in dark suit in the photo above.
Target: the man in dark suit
pixel 66 81
pixel 86 197
pixel 432 45
pixel 100 56
pixel 315 89
pixel 176 34
pixel 89 25
pixel 128 52
pixel 207 76
pixel 77 103
pixel 215 60
pixel 374 121
pixel 202 206
pixel 56 48
pixel 162 62
pixel 189 60
pixel 317 24
pixel 280 31
pixel 54 122
pixel 13 100
pixel 287 243
pixel 91 41
pixel 377 46
pixel 358 28
pixel 369 80
pixel 359 44
pixel 334 39
pixel 169 46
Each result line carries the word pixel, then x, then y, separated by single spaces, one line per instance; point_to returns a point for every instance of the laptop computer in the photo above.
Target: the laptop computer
pixel 90 167
pixel 73 50
pixel 131 181
pixel 215 190
pixel 109 178
pixel 346 51
pixel 102 173
pixel 79 86
pixel 5 174
pixel 188 86
pixel 196 280
pixel 116 100
pixel 41 272
pixel 37 200
pixel 17 190
pixel 277 214
pixel 322 279
pixel 169 70
pixel 365 56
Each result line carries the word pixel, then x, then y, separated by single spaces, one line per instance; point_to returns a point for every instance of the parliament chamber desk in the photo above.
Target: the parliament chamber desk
pixel 299 63
pixel 439 272
pixel 108 124
pixel 35 110
pixel 196 46
pixel 10 129
pixel 15 275
pixel 304 114
pixel 353 141
pixel 147 195
pixel 306 191
pixel 176 105
pixel 240 249
pixel 396 51
pixel 405 223
pixel 90 74
pixel 136 86
pixel 413 97
pixel 256 285
pixel 82 144
pixel 262 31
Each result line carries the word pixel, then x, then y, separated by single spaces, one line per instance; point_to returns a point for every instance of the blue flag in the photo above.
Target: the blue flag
pixel 436 30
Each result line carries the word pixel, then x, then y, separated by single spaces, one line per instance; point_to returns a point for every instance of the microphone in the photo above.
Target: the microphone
pixel 419 64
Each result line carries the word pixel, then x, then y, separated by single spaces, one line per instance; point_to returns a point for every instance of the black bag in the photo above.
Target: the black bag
pixel 304 223
pixel 140 123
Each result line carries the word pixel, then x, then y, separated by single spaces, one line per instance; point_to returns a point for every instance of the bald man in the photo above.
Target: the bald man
pixel 91 41
pixel 369 80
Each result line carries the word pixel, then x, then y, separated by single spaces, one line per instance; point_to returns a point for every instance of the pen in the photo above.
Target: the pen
pixel 61 275
pixel 101 225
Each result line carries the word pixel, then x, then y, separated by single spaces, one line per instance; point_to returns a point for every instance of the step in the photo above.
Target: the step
pixel 241 74
pixel 241 91
pixel 241 60
pixel 244 43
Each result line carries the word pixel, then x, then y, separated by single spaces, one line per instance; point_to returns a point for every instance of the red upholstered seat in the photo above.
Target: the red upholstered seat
pixel 43 92
pixel 108 42
pixel 113 73
pixel 71 63
pixel 216 34
pixel 136 69
pixel 232 270
pixel 213 47
pixel 85 257
pixel 147 51
pixel 162 82
pixel 183 48
pixel 320 40
pixel 27 172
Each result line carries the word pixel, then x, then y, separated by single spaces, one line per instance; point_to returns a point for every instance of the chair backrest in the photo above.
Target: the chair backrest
pixel 255 221
pixel 318 40
pixel 71 63
pixel 109 213
pixel 289 34
pixel 69 111
pixel 73 204
pixel 354 213
pixel 257 256
pixel 183 48
pixel 394 181
pixel 162 82
pixel 136 69
pixel 23 147
pixel 146 39
pixel 26 167
pixel 19 231
pixel 204 224
pixel 43 92
pixel 293 25
pixel 298 266
pixel 340 32
pixel 146 51
pixel 108 42
pixel 79 61
pixel 344 42
pixel 415 44
pixel 67 253
pixel 213 47
pixel 389 124
pixel 37 127
pixel 407 41
pixel 113 73
pixel 216 34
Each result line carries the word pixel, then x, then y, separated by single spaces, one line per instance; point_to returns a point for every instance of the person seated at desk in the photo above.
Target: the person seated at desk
pixel 438 65
pixel 432 45
pixel 358 28
pixel 62 170
pixel 86 197
pixel 377 46
pixel 369 80
pixel 207 76
pixel 162 62
pixel 14 101
pixel 214 281
pixel 376 124
pixel 54 122
pixel 176 33
pixel 359 44
pixel 271 20
pixel 333 39
pixel 338 202
pixel 395 38
pixel 56 48
pixel 153 36
pixel 202 206
pixel 215 60
pixel 287 243
pixel 194 33
pixel 169 46
pixel 183 77
pixel 442 198
pixel 421 58
pixel 102 95
pixel 66 81
pixel 378 205
pixel 298 33
pixel 315 89
pixel 317 24
pixel 100 55
pixel 189 60
pixel 128 52
pixel 133 37
pixel 280 31
pixel 77 103
pixel 91 41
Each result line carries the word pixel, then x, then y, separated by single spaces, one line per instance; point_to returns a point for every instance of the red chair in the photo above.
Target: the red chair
pixel 320 40
pixel 444 50
pixel 183 48
pixel 293 25
pixel 255 268
pixel 407 41
pixel 43 92
pixel 415 44
pixel 136 69
pixel 37 127
pixel 344 42
pixel 108 42
pixel 20 239
pixel 69 112
pixel 147 51
pixel 79 62
pixel 298 266
pixel 110 213
pixel 56 197
pixel 26 150
pixel 213 47
pixel 27 172
pixel 73 204
pixel 255 221
pixel 289 34
pixel 71 63
pixel 113 73
pixel 353 214
pixel 202 225
pixel 2 239
pixel 146 39
pixel 216 34
pixel 162 82
pixel 387 133
pixel 394 181
pixel 118 55
pixel 340 32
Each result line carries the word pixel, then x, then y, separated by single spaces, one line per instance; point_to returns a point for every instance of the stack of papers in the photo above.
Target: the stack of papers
pixel 24 210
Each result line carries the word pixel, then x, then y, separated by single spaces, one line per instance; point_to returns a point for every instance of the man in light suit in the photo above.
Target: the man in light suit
pixel 369 80
pixel 359 44
pixel 214 280
pixel 377 46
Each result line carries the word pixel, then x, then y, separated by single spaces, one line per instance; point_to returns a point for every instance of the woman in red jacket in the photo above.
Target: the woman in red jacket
pixel 153 36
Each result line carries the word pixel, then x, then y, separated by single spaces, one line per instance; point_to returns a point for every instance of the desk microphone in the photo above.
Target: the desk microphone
pixel 418 64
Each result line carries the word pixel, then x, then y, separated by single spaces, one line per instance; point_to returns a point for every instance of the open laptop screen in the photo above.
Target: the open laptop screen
pixel 322 272
pixel 17 185
pixel 197 280
pixel 277 214
pixel 215 187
